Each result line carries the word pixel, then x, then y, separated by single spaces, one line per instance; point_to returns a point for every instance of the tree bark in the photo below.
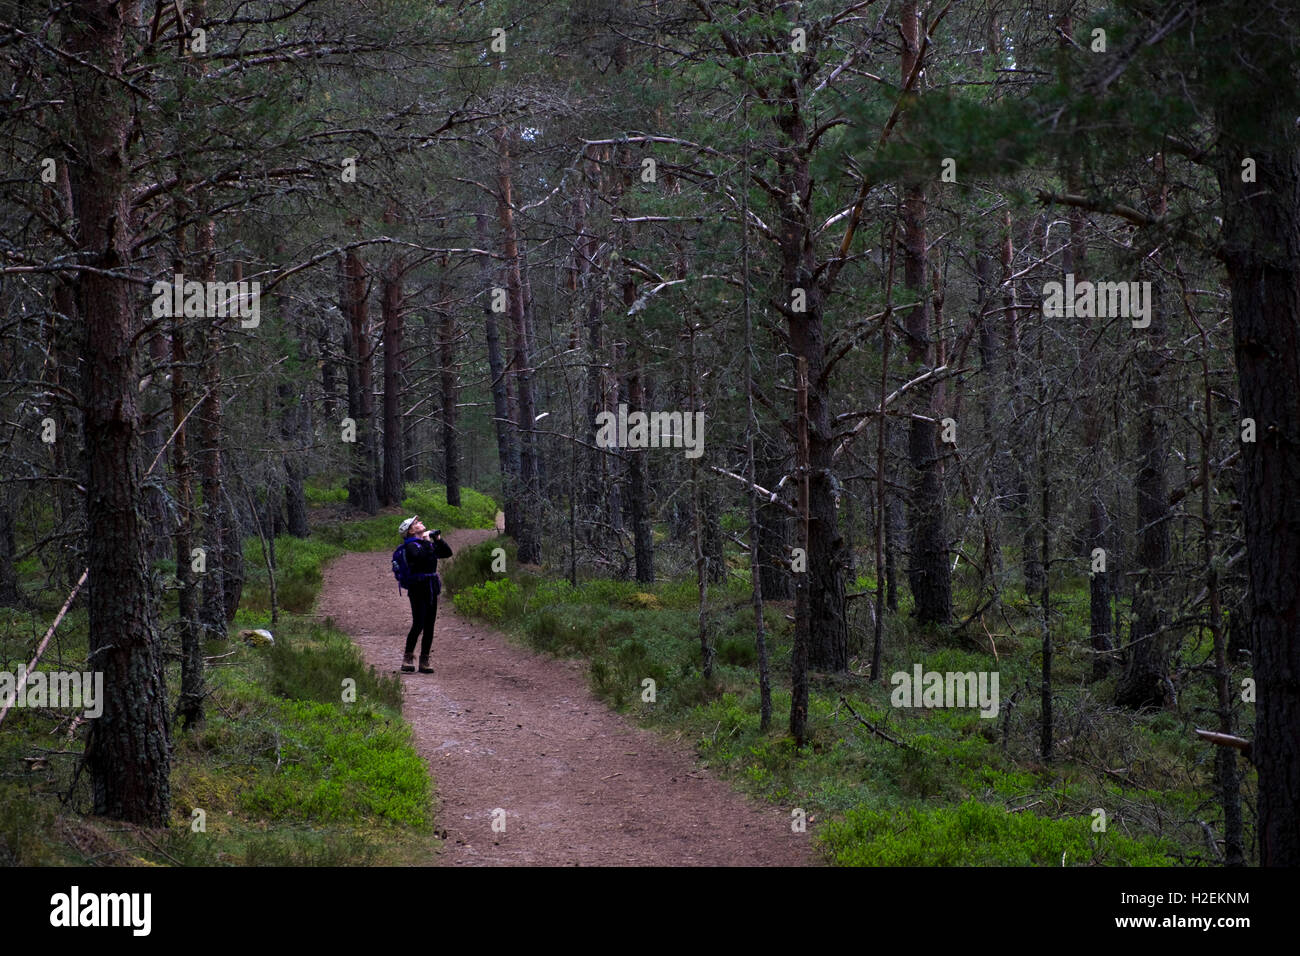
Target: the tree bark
pixel 1261 249
pixel 210 467
pixel 128 752
pixel 10 594
pixel 392 489
pixel 773 524
pixel 928 573
pixel 528 528
pixel 189 708
pixel 450 395
pixel 1145 680
pixel 355 308
pixel 820 621
pixel 507 449
pixel 639 491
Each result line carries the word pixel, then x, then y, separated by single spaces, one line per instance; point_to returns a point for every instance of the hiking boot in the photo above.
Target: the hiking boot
pixel 424 666
pixel 408 663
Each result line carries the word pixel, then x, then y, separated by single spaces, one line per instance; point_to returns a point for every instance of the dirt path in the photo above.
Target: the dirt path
pixel 501 727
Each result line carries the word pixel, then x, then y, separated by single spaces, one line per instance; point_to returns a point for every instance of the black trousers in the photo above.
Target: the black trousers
pixel 424 609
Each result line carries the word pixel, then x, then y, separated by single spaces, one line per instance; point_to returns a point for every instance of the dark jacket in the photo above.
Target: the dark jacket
pixel 422 556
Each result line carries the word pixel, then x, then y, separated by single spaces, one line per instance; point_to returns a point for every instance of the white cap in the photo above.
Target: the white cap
pixel 402 528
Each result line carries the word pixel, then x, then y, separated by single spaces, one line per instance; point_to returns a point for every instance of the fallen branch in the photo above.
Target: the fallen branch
pixel 874 729
pixel 1228 740
pixel 44 641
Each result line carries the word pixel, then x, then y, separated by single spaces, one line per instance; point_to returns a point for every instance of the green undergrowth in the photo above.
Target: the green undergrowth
pixel 891 785
pixel 976 834
pixel 299 562
pixel 303 759
pixel 282 771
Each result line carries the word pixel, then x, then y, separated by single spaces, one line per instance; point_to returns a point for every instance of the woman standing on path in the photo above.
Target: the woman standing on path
pixel 422 550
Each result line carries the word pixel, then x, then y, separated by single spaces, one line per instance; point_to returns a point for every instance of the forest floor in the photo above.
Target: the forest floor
pixel 505 729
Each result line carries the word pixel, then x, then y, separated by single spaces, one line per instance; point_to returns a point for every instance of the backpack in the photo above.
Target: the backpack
pixel 405 577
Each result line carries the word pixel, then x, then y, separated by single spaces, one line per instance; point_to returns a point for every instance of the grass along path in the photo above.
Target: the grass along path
pixel 503 728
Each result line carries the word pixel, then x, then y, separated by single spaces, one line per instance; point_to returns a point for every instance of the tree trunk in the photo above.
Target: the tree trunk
pixel 1261 248
pixel 210 477
pixel 773 525
pixel 820 621
pixel 450 390
pixel 327 374
pixel 528 526
pixel 507 449
pixel 189 709
pixel 355 308
pixel 799 650
pixel 990 351
pixel 755 527
pixel 128 752
pixel 928 573
pixel 10 595
pixel 639 491
pixel 232 548
pixel 295 429
pixel 392 489
pixel 1145 681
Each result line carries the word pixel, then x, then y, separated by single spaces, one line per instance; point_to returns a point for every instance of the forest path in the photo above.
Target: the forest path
pixel 503 727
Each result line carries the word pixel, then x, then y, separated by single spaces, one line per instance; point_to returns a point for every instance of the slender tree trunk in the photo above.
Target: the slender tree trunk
pixel 327 374
pixel 882 517
pixel 639 491
pixel 928 572
pixel 820 620
pixel 1045 594
pixel 450 395
pixel 189 709
pixel 528 527
pixel 232 529
pixel 507 448
pixel 10 594
pixel 895 518
pixel 210 477
pixel 1017 468
pixel 1227 778
pixel 698 497
pixel 799 652
pixel 990 350
pixel 232 547
pixel 355 307
pixel 295 429
pixel 751 429
pixel 773 531
pixel 392 489
pixel 1145 680
pixel 69 507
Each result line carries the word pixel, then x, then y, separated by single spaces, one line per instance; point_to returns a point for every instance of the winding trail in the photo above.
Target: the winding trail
pixel 503 727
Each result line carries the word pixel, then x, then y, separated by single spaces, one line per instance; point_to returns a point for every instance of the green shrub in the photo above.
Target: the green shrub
pixel 23 821
pixel 473 565
pixel 342 765
pixel 429 500
pixel 314 669
pixel 737 651
pixel 979 834
pixel 491 599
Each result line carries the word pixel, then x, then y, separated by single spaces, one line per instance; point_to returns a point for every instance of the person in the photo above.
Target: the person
pixel 423 549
